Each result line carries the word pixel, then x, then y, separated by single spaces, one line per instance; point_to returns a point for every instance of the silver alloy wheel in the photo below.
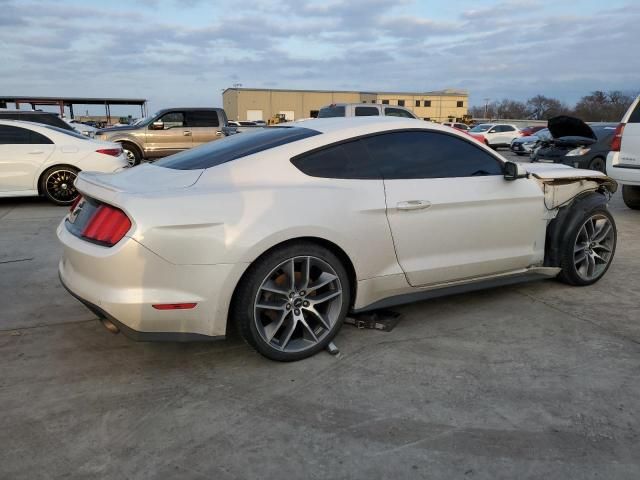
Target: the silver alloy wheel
pixel 131 157
pixel 59 185
pixel 298 304
pixel 593 249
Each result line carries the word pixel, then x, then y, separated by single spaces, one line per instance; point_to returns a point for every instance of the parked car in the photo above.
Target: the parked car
pixel 167 132
pixel 497 134
pixel 37 159
pixel 576 143
pixel 37 116
pixel 266 230
pixel 364 110
pixel 529 131
pixel 623 160
pixel 84 129
pixel 526 145
pixel 460 126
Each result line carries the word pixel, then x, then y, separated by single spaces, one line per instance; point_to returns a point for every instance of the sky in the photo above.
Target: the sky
pixel 185 52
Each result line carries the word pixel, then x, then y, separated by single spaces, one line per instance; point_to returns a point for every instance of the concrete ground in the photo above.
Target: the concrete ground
pixel 538 380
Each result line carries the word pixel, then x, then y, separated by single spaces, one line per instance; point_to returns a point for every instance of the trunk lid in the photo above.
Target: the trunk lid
pixel 142 179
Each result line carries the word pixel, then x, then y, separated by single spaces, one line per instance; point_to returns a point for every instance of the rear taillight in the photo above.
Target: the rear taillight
pixel 75 203
pixel 616 142
pixel 114 152
pixel 107 226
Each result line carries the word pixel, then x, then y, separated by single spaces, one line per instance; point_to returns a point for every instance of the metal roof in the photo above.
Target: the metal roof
pixel 74 100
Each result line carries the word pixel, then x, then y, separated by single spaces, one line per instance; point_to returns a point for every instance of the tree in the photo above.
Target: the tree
pixel 603 107
pixel 544 108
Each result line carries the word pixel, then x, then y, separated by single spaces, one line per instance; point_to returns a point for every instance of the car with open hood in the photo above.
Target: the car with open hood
pixel 576 143
pixel 526 145
pixel 285 231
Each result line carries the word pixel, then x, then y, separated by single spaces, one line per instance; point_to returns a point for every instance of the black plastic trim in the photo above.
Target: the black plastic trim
pixel 137 335
pixel 453 290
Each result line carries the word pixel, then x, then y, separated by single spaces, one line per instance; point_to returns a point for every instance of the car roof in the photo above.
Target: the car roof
pixel 364 125
pixel 21 123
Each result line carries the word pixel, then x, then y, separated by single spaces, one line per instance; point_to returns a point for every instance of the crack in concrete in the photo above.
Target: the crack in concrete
pixel 16 260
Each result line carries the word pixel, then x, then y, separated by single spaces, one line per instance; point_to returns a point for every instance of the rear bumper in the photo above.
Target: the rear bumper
pixel 624 174
pixel 122 283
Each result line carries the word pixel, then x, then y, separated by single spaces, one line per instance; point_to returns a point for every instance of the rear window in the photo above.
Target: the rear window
pixel 635 115
pixel 367 111
pixel 36 117
pixel 333 111
pixel 234 147
pixel 603 131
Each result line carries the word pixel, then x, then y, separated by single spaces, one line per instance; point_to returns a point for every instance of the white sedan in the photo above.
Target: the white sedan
pixel 37 159
pixel 497 134
pixel 285 231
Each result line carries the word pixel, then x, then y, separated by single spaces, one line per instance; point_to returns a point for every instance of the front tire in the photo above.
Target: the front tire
pixel 133 154
pixel 292 301
pixel 631 196
pixel 589 247
pixel 57 184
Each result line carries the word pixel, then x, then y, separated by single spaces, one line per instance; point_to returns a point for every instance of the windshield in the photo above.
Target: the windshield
pixel 483 127
pixel 332 111
pixel 233 147
pixel 544 134
pixel 73 133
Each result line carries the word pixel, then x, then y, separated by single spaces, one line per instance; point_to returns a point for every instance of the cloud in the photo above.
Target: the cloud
pixel 185 52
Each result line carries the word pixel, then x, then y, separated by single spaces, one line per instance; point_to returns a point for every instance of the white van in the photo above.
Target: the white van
pixel 623 161
pixel 363 110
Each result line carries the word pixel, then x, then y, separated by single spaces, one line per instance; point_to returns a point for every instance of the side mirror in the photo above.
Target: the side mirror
pixel 157 125
pixel 513 171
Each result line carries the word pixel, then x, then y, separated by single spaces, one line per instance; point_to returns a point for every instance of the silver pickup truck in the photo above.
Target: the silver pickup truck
pixel 168 131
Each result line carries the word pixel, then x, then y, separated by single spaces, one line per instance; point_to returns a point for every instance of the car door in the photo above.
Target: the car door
pixel 204 126
pixel 168 134
pixel 508 132
pixel 452 214
pixel 22 152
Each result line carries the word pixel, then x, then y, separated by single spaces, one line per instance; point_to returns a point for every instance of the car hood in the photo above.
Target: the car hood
pixel 564 126
pixel 140 180
pixel 558 171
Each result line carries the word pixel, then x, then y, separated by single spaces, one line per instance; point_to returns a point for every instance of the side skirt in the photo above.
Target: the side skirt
pixel 454 288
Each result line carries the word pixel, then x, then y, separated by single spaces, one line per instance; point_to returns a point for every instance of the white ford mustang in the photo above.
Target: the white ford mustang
pixel 287 230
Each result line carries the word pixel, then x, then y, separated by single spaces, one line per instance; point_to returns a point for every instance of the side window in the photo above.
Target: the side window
pixel 507 128
pixel 172 119
pixel 397 112
pixel 10 135
pixel 635 115
pixel 202 118
pixel 367 111
pixel 421 154
pixel 346 160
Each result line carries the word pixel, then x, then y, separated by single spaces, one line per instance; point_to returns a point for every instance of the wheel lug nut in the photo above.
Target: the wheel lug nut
pixel 291 295
pixel 303 293
pixel 288 306
pixel 296 311
pixel 305 304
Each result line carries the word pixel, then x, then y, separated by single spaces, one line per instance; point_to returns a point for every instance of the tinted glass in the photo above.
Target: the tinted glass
pixel 37 117
pixel 329 112
pixel 172 119
pixel 367 111
pixel 397 112
pixel 419 154
pixel 507 128
pixel 346 160
pixel 202 118
pixel 10 135
pixel 234 147
pixel 483 127
pixel 635 115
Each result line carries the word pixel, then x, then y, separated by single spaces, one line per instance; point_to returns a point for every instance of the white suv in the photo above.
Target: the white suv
pixel 497 134
pixel 623 161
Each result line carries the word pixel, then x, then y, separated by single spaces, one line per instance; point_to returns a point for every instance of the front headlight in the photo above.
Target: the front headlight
pixel 576 152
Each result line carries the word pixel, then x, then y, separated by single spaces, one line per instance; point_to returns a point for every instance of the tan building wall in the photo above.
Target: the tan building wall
pixel 262 104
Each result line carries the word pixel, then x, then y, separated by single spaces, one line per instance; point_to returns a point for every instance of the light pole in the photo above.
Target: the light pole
pixel 486 108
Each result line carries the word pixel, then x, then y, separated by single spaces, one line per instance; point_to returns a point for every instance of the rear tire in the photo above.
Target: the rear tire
pixel 57 184
pixel 631 196
pixel 292 301
pixel 588 247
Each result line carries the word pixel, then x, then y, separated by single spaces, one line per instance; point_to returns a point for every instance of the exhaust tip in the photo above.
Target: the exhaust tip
pixel 109 325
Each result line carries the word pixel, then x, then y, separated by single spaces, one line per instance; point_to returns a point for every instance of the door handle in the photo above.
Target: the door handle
pixel 36 152
pixel 413 205
pixel 186 133
pixel 218 133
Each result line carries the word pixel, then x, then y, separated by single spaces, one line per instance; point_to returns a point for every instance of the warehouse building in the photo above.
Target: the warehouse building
pixel 263 103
